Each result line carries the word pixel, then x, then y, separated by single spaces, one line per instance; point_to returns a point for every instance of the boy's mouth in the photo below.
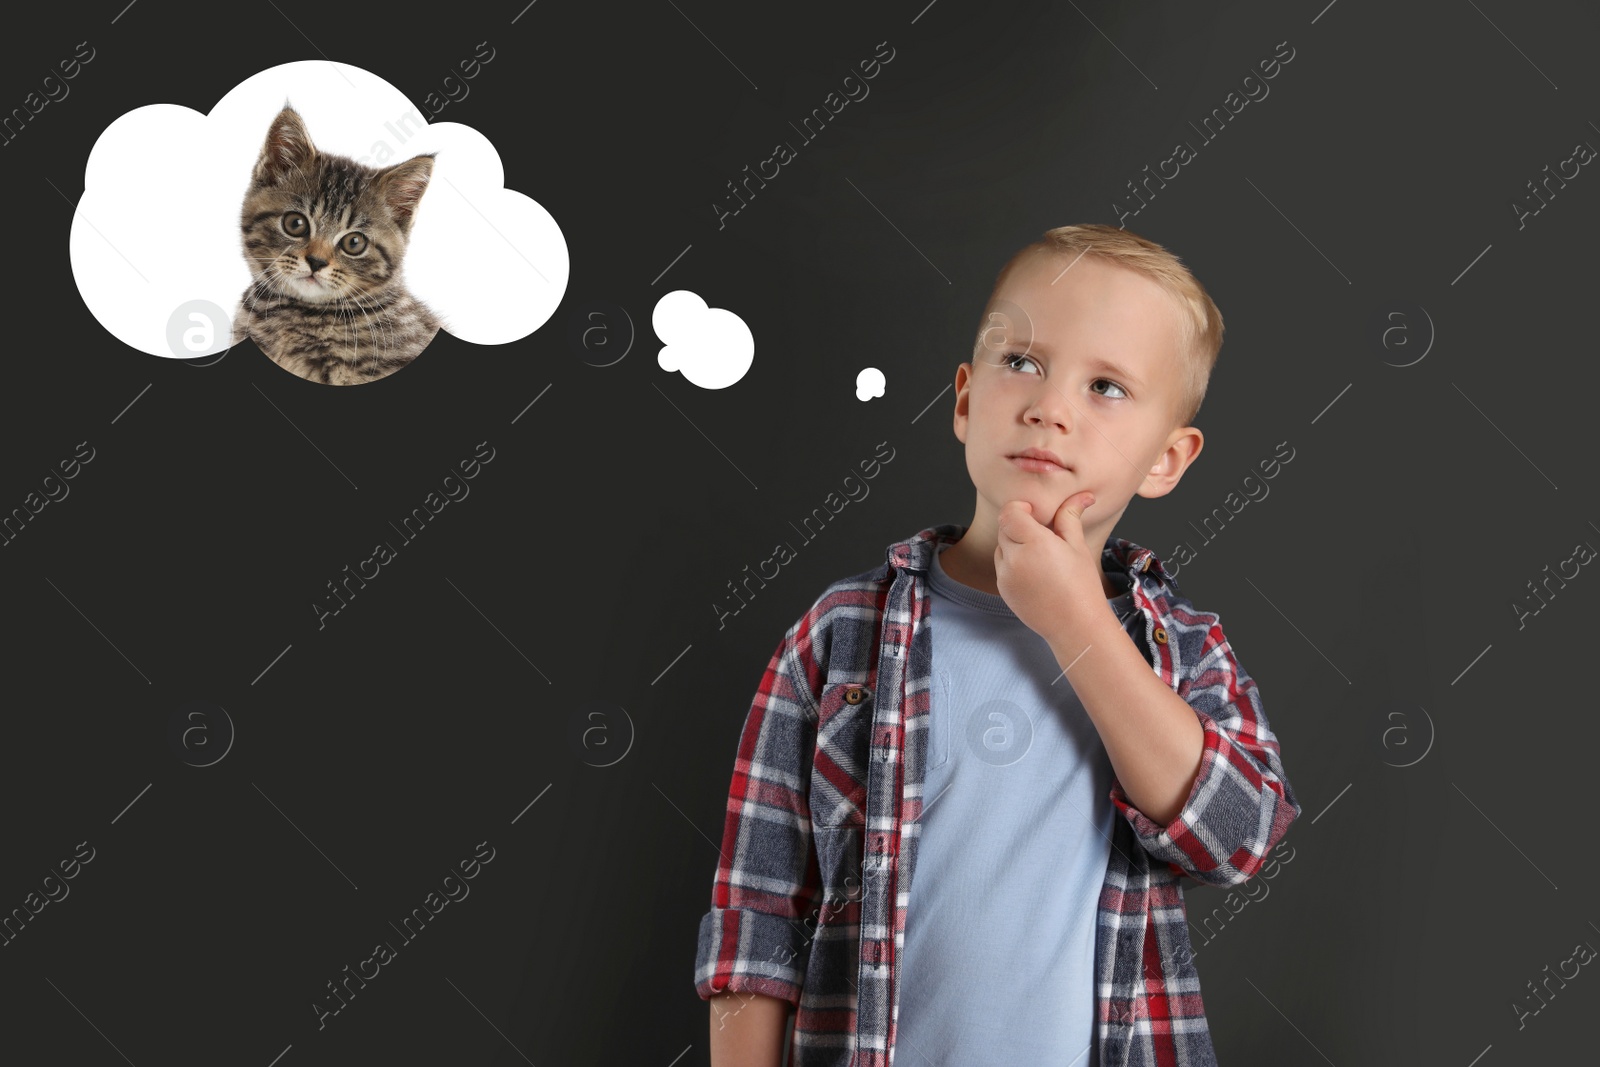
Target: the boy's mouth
pixel 1038 459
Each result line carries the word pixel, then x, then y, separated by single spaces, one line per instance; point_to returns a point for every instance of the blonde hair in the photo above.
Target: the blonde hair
pixel 1200 321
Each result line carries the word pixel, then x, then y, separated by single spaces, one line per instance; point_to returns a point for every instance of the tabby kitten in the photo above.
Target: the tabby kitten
pixel 325 238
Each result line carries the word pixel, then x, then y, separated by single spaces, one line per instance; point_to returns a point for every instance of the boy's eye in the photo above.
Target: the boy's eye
pixel 1012 358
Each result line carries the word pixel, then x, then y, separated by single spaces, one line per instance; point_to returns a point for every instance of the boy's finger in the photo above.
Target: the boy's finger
pixel 1011 524
pixel 1070 513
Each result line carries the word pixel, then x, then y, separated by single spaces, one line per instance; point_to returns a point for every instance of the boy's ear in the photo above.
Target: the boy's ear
pixel 963 384
pixel 402 186
pixel 1183 448
pixel 287 148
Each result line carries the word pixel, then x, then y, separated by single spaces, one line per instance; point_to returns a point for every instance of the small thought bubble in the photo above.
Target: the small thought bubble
pixel 870 383
pixel 711 346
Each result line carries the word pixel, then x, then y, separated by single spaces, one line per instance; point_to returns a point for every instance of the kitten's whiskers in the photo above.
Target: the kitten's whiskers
pixel 387 339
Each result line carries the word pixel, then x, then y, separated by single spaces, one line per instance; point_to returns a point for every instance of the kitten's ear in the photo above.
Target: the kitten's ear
pixel 288 147
pixel 402 185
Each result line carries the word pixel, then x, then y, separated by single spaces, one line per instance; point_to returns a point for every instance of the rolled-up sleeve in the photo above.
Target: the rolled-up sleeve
pixel 767 879
pixel 1241 802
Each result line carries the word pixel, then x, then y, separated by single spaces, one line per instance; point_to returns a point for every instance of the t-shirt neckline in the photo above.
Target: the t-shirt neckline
pixel 993 604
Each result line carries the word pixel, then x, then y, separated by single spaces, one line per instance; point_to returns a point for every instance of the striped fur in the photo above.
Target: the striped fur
pixel 351 319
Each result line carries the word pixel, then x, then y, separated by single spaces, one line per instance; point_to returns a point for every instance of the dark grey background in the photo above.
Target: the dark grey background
pixel 1370 594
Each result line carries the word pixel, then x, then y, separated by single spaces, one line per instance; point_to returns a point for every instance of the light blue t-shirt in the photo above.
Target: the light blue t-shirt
pixel 1016 833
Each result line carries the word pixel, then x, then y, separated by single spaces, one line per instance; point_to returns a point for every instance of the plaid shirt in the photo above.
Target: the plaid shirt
pixel 820 836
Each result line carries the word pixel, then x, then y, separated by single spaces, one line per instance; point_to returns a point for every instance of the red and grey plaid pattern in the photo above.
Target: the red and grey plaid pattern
pixel 820 835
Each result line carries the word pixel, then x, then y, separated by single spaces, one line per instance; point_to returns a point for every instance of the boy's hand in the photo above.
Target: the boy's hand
pixel 1049 575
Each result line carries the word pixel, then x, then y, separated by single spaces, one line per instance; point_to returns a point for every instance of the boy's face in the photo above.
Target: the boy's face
pixel 1034 382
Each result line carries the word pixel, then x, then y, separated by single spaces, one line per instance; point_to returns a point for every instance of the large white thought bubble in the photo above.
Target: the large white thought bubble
pixel 157 227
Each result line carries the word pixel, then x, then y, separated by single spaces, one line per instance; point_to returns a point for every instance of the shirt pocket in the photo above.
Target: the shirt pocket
pixel 939 713
pixel 843 754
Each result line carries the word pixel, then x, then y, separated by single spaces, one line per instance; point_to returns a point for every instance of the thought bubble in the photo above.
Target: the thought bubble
pixel 711 346
pixel 156 244
pixel 870 383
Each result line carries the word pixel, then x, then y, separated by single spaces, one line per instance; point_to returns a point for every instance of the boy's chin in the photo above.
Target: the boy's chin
pixel 1045 508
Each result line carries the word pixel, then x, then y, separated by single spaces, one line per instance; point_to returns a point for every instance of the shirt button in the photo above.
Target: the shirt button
pixel 1161 636
pixel 854 695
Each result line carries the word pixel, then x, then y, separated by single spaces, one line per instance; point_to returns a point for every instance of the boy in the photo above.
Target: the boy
pixel 1023 714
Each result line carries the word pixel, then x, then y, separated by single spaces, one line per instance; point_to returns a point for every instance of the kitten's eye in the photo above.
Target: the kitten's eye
pixel 295 224
pixel 353 244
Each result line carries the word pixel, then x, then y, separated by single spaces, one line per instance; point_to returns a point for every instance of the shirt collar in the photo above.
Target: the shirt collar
pixel 916 554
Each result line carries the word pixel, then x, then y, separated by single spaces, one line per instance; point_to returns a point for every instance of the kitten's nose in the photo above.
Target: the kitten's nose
pixel 315 264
